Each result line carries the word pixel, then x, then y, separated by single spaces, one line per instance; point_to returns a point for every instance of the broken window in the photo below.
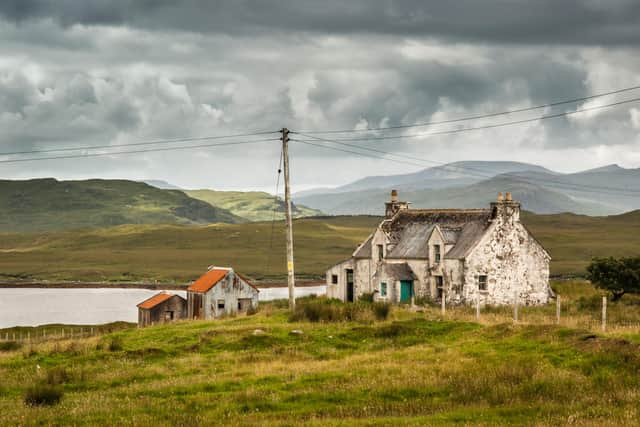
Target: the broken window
pixel 334 279
pixel 220 304
pixel 383 289
pixel 482 283
pixel 380 252
pixel 439 285
pixel 436 253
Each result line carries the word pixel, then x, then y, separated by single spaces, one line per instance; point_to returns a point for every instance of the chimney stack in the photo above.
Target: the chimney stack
pixel 505 208
pixel 394 205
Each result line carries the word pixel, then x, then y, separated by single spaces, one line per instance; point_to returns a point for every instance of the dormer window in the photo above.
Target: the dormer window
pixel 436 253
pixel 380 252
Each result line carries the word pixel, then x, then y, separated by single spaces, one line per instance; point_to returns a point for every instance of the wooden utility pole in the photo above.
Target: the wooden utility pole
pixel 291 279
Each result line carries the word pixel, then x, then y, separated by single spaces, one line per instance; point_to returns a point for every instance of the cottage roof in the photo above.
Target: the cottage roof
pixel 410 230
pixel 364 250
pixel 209 279
pixel 155 300
pixel 399 271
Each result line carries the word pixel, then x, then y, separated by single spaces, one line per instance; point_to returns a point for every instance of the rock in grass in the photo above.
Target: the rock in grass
pixel 296 332
pixel 258 332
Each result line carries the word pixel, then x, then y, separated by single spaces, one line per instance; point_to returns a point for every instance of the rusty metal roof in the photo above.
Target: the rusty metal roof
pixel 208 280
pixel 155 300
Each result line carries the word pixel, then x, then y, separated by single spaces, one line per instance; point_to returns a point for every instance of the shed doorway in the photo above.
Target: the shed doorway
pixel 350 290
pixel 406 290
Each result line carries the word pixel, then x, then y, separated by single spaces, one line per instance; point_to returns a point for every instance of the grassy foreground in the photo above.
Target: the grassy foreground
pixel 413 369
pixel 169 253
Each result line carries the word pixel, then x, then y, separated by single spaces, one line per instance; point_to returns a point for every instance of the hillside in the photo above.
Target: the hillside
pixel 602 191
pixel 48 204
pixel 251 205
pixel 414 369
pixel 176 253
pixel 533 197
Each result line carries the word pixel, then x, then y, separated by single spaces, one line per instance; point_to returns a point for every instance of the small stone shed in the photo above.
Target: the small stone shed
pixel 219 292
pixel 161 308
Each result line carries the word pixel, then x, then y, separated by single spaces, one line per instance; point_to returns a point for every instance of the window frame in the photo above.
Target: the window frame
pixel 334 279
pixel 384 289
pixel 380 252
pixel 437 254
pixel 223 304
pixel 483 285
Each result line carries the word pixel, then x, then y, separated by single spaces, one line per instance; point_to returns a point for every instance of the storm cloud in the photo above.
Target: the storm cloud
pixel 79 73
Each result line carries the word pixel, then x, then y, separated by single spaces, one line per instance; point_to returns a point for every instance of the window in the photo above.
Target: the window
pixel 334 279
pixel 439 286
pixel 220 304
pixel 436 253
pixel 482 283
pixel 383 289
pixel 380 252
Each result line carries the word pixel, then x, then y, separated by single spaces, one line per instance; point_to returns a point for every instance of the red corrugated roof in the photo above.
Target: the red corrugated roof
pixel 208 280
pixel 155 300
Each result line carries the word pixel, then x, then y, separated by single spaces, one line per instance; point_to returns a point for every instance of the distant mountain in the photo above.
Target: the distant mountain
pixel 163 185
pixel 450 175
pixel 251 205
pixel 602 191
pixel 48 204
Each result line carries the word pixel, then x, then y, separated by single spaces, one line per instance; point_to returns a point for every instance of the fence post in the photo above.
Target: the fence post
pixel 515 306
pixel 604 314
pixel 478 305
pixel 558 305
pixel 444 302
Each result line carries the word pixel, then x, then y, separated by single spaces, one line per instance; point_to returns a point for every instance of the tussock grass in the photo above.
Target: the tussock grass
pixel 413 369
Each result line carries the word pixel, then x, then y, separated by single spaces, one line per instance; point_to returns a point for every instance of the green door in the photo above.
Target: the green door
pixel 406 290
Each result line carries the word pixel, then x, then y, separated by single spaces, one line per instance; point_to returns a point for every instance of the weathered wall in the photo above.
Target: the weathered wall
pixel 230 290
pixel 515 265
pixel 156 315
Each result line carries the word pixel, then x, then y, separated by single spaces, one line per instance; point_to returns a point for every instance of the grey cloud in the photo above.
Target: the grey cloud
pixel 519 21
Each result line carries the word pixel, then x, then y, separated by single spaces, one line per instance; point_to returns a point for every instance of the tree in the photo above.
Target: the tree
pixel 618 275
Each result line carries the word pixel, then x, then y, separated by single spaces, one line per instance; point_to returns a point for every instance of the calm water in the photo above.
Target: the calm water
pixel 32 307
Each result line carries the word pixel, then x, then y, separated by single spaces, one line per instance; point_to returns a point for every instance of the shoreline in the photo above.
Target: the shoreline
pixel 140 285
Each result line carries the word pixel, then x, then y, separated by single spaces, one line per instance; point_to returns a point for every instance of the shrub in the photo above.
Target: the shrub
pixel 43 395
pixel 115 344
pixel 366 297
pixel 381 310
pixel 10 346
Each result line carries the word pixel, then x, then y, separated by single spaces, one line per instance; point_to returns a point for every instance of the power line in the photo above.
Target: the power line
pixel 481 116
pixel 275 210
pixel 155 142
pixel 497 125
pixel 573 186
pixel 152 150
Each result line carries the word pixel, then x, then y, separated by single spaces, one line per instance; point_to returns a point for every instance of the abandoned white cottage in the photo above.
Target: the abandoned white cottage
pixel 218 292
pixel 465 253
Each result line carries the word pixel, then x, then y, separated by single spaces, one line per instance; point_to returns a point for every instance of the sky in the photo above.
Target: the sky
pixel 78 73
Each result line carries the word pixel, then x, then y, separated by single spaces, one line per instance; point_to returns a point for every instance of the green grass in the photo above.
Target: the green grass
pixel 414 369
pixel 178 253
pixel 251 205
pixel 47 204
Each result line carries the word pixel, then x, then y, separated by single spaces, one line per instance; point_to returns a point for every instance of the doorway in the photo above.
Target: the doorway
pixel 406 290
pixel 350 286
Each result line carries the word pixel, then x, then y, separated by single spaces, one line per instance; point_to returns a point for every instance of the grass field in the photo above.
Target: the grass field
pixel 178 253
pixel 413 369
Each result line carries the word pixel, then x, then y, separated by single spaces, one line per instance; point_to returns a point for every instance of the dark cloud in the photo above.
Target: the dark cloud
pixel 506 21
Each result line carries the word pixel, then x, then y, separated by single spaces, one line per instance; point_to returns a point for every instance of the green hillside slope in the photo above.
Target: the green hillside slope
pixel 175 253
pixel 48 204
pixel 252 205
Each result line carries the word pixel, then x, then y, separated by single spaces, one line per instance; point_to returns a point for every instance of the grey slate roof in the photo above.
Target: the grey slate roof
pixel 400 271
pixel 364 250
pixel 412 241
pixel 411 229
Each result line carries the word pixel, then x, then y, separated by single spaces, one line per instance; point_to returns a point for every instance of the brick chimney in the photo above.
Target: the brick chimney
pixel 394 205
pixel 505 208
